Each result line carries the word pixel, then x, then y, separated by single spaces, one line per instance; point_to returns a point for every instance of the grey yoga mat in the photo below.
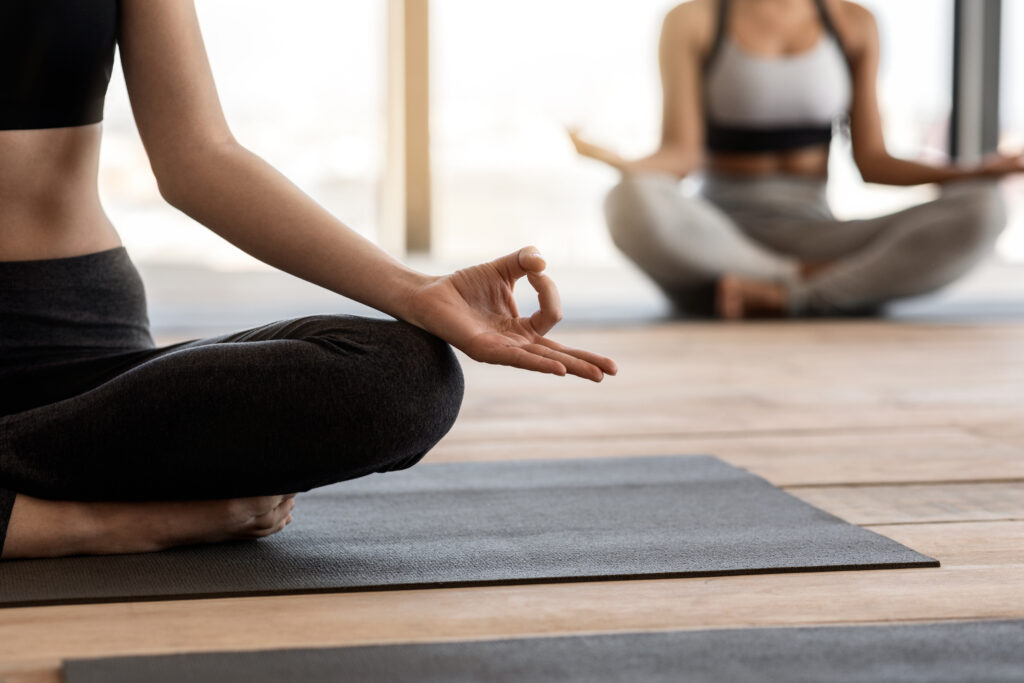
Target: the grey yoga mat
pixel 935 653
pixel 463 524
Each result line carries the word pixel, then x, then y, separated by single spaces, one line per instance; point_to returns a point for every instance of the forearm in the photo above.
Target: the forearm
pixel 242 198
pixel 888 170
pixel 670 160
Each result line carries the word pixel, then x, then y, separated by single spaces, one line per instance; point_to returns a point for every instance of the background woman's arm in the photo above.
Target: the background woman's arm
pixel 682 139
pixel 869 150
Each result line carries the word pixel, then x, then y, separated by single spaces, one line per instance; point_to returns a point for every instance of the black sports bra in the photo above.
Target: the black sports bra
pixel 55 61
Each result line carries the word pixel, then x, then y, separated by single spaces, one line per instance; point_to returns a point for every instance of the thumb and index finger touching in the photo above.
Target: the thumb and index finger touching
pixel 519 263
pixel 528 261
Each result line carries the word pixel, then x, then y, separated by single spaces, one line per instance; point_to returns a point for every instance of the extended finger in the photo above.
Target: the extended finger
pixel 550 312
pixel 524 360
pixel 575 366
pixel 607 365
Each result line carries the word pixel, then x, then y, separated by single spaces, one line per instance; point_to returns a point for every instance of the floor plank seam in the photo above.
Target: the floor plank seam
pixel 944 521
pixel 724 433
pixel 902 483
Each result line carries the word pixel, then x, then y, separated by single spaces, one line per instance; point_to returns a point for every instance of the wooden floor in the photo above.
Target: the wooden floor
pixel 914 430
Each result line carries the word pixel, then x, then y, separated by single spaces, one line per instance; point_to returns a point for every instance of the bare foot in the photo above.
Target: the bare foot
pixel 43 528
pixel 809 269
pixel 738 298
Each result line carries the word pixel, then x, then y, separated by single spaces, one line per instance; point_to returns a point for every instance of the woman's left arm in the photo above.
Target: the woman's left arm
pixel 869 151
pixel 202 170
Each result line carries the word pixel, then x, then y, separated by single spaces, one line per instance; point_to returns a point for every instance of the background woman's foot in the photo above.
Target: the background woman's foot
pixel 738 298
pixel 44 528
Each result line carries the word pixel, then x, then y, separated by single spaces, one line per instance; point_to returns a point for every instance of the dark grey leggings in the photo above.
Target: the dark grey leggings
pixel 277 409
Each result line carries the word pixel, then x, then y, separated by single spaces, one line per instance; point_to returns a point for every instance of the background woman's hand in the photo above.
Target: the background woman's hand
pixel 473 310
pixel 592 151
pixel 999 165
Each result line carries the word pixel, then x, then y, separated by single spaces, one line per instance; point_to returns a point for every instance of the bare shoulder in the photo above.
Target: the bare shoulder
pixel 692 23
pixel 856 25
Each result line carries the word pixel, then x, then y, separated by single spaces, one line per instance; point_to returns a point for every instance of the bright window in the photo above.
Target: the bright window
pixel 302 84
pixel 508 78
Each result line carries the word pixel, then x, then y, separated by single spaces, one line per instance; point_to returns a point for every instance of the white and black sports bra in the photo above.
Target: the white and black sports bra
pixel 770 104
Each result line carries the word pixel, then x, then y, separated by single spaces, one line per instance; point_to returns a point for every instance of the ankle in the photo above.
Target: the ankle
pixel 47 528
pixel 739 298
pixel 809 269
pixel 115 528
pixel 776 297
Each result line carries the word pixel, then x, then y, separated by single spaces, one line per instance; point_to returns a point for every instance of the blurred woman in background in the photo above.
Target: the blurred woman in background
pixel 753 90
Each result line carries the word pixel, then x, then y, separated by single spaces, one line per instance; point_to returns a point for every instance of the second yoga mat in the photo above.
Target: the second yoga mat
pixel 921 653
pixel 464 524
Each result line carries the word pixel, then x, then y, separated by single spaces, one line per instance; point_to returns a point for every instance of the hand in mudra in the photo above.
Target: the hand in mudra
pixel 473 310
pixel 590 150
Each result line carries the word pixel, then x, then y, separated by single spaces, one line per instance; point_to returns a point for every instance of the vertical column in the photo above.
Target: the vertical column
pixel 417 125
pixel 406 202
pixel 974 128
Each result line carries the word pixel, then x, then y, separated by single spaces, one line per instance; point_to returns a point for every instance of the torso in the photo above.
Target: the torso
pixel 49 201
pixel 772 31
pixel 811 162
pixel 56 63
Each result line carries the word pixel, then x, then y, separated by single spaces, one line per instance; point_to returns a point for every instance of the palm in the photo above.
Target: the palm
pixel 474 310
pixel 589 149
pixel 1000 164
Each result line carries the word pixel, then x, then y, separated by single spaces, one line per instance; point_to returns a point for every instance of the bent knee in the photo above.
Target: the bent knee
pixel 981 214
pixel 399 399
pixel 633 205
pixel 438 381
pixel 408 378
pixel 428 381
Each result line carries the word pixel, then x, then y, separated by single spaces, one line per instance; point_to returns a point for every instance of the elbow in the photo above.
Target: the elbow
pixel 182 174
pixel 870 175
pixel 872 169
pixel 176 180
pixel 689 163
pixel 873 164
pixel 170 187
pixel 681 161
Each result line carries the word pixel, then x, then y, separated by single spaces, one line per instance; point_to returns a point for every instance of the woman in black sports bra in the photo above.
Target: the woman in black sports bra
pixel 95 420
pixel 752 92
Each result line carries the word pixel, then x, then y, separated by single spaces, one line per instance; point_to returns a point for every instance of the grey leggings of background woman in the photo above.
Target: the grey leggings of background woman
pixel 763 228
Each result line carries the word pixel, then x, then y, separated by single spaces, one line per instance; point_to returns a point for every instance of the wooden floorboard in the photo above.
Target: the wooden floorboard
pixel 940 454
pixel 914 430
pixel 918 503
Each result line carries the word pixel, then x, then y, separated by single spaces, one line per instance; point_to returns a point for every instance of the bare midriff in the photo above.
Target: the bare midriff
pixel 49 198
pixel 810 162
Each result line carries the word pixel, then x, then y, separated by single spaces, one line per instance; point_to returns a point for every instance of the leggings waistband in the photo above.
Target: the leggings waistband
pixel 779 190
pixel 94 301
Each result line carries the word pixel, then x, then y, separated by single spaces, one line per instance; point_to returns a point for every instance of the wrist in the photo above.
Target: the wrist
pixel 976 172
pixel 956 173
pixel 408 283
